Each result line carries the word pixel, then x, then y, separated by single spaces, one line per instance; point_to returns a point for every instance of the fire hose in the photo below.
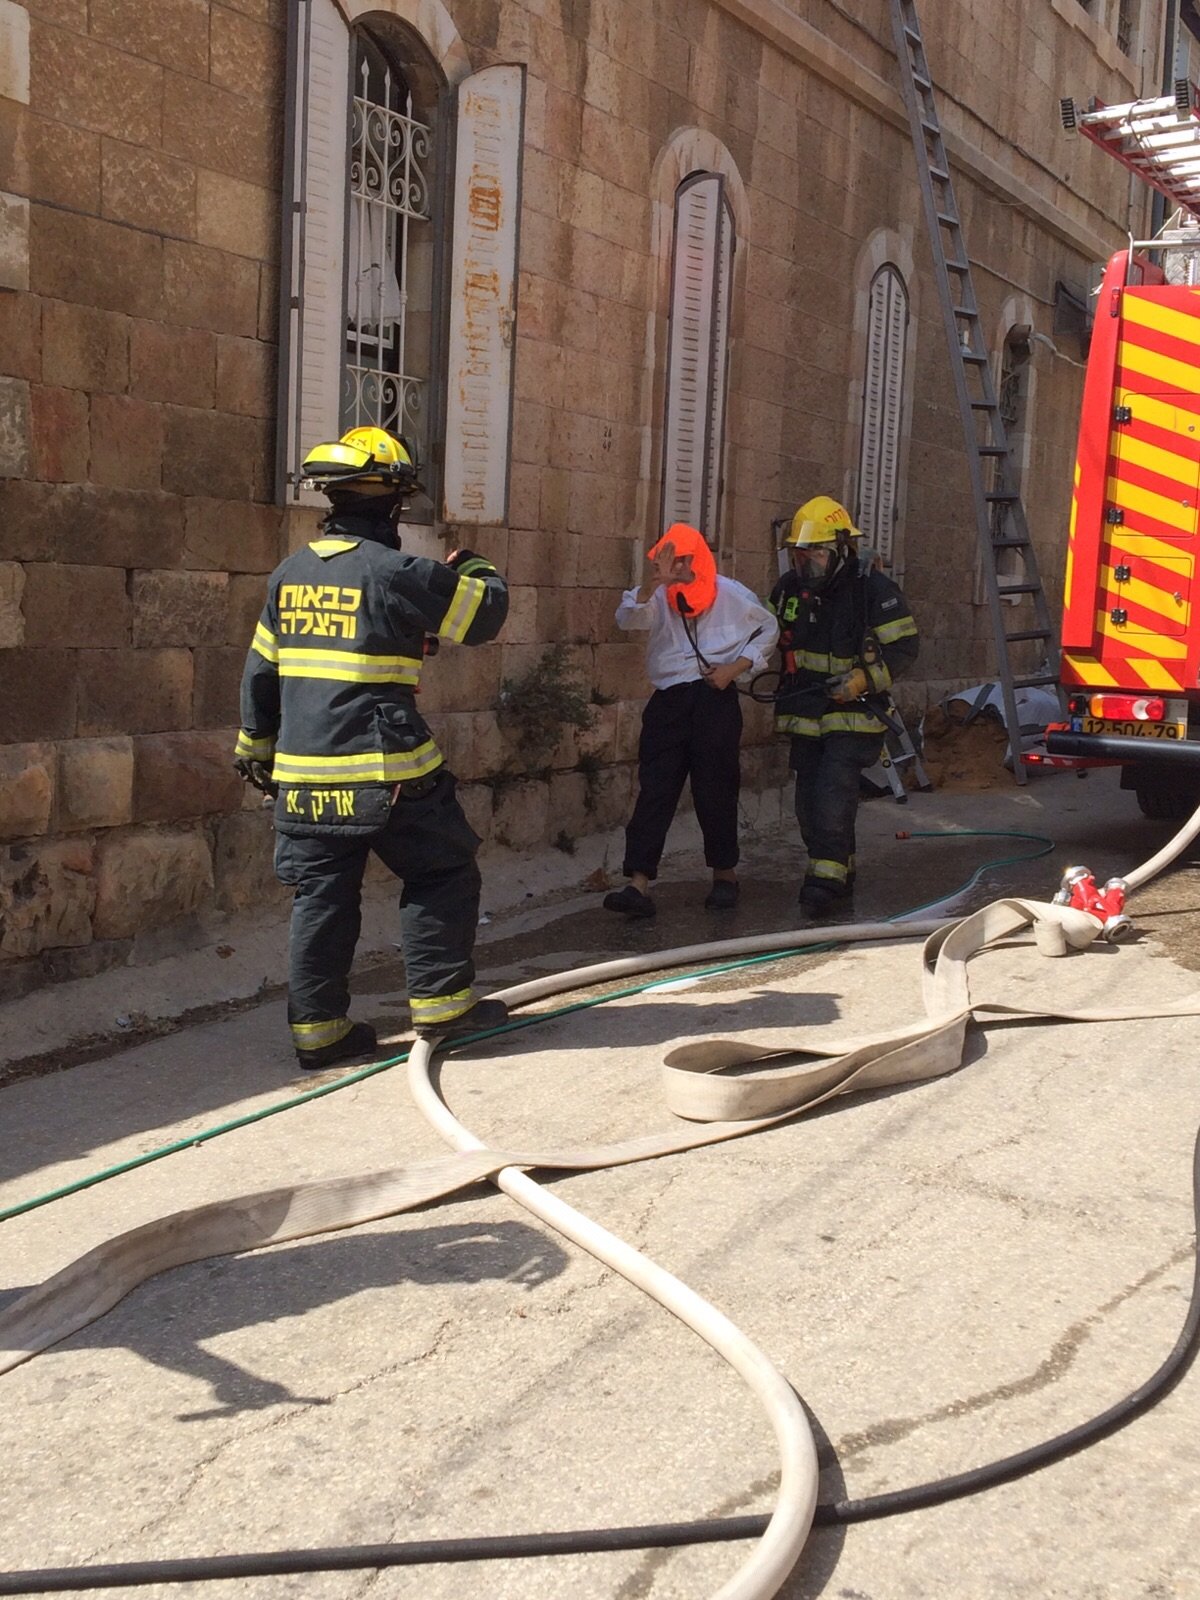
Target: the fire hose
pixel 717 1108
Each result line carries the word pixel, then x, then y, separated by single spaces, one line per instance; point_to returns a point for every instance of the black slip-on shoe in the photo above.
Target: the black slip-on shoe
pixel 360 1041
pixel 631 901
pixel 723 895
pixel 484 1014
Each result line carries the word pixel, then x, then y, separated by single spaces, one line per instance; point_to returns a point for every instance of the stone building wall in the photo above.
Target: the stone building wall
pixel 140 173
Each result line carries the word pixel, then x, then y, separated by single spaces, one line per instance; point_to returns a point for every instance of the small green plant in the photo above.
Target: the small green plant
pixel 537 706
pixel 565 843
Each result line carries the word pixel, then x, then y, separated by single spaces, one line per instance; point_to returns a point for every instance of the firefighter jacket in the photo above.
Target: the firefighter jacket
pixel 861 620
pixel 330 679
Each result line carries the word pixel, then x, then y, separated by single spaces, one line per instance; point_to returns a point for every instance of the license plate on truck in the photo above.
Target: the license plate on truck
pixel 1134 729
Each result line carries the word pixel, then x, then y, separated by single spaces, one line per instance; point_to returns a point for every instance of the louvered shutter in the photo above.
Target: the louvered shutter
pixel 483 291
pixel 883 400
pixel 697 358
pixel 313 323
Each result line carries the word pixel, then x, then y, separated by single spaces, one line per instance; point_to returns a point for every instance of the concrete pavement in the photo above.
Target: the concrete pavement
pixel 946 1273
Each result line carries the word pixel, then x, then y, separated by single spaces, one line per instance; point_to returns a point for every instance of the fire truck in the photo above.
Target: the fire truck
pixel 1130 663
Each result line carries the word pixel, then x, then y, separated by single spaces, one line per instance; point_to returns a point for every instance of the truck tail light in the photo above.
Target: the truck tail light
pixel 1128 707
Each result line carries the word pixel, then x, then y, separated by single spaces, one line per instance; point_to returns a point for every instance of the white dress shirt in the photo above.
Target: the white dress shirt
pixel 736 624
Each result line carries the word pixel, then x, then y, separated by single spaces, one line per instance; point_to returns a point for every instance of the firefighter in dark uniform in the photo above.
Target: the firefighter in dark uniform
pixel 330 727
pixel 845 634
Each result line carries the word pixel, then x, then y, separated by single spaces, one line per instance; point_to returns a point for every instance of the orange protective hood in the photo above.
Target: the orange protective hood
pixel 702 591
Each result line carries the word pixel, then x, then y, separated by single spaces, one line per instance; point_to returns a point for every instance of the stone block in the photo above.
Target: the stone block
pixel 173 608
pixel 478 802
pixel 148 878
pixel 80 81
pixel 471 742
pixel 12 620
pixel 239 217
pixel 127 442
pixel 95 784
pixel 90 261
pixel 178 365
pixel 26 789
pixel 620 671
pixel 14 52
pixel 246 598
pixel 542 557
pixel 174 35
pixel 62 165
pixel 244 863
pixel 84 606
pixel 209 453
pixel 628 729
pixel 233 536
pixel 37 694
pixel 461 680
pixel 14 428
pixel 47 892
pixel 598 743
pixel 610 796
pixel 521 814
pixel 268 303
pixel 21 336
pixel 133 691
pixel 59 444
pixel 147 189
pixel 246 57
pixel 245 377
pixel 222 132
pixel 569 815
pixel 182 775
pixel 218 681
pixel 205 288
pixel 84 348
pixel 14 241
pixel 118 527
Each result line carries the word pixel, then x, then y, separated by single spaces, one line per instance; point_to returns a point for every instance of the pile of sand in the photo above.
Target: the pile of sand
pixel 962 755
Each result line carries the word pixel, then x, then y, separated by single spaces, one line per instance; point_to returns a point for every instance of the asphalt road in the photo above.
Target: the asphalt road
pixel 946 1273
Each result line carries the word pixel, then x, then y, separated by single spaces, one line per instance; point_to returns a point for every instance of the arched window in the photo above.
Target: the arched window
pixel 698 353
pixel 398 295
pixel 883 411
pixel 389 245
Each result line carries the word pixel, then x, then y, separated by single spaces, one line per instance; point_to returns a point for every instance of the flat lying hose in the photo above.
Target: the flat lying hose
pixel 73 1297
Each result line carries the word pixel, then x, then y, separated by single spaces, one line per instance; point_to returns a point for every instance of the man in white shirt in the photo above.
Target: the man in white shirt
pixel 704 632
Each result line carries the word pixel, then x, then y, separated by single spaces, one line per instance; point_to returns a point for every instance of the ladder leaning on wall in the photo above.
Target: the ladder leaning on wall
pixel 1001 527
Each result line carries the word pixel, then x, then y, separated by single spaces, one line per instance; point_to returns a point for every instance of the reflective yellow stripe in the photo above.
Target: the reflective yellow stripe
pixel 805 727
pixel 252 749
pixel 316 1035
pixel 440 1007
pixel 477 564
pixel 879 675
pixel 850 722
pixel 901 628
pixel 266 643
pixel 460 613
pixel 332 547
pixel 828 869
pixel 809 661
pixel 371 766
pixel 347 666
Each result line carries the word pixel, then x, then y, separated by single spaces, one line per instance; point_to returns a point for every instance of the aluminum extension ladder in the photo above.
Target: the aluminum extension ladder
pixel 999 515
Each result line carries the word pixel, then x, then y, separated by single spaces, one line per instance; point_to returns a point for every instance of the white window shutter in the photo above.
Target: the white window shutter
pixel 701 274
pixel 483 294
pixel 313 333
pixel 883 402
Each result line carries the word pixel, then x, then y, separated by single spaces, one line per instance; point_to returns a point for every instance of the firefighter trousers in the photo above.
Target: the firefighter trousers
pixel 430 846
pixel 827 792
pixel 689 731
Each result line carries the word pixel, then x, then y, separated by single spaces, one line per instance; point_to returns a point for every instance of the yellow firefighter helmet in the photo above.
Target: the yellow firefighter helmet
pixel 370 458
pixel 820 520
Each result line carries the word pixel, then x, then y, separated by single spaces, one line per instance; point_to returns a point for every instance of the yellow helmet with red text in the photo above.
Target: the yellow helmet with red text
pixel 821 520
pixel 372 459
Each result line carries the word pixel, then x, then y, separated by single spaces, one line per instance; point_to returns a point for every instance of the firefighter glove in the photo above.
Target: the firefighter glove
pixel 258 774
pixel 850 685
pixel 457 558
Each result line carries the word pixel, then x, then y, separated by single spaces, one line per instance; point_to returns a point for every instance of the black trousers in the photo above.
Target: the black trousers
pixel 688 732
pixel 827 773
pixel 430 846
